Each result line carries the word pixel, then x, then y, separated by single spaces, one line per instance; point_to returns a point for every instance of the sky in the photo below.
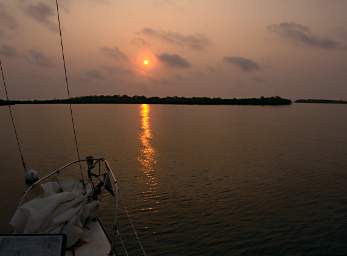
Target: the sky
pixel 215 48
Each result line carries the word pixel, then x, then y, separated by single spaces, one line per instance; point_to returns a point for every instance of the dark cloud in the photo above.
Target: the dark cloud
pixel 40 59
pixel 104 72
pixel 195 41
pixel 93 74
pixel 246 65
pixel 139 41
pixel 211 69
pixel 118 71
pixel 302 34
pixel 7 21
pixel 173 60
pixel 8 51
pixel 42 13
pixel 114 53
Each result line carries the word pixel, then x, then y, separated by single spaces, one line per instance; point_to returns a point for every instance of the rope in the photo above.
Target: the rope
pixel 19 146
pixel 68 87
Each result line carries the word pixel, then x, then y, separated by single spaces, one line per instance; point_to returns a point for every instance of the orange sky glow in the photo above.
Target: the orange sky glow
pixel 223 48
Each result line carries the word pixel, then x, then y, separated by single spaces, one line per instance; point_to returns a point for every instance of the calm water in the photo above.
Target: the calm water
pixel 203 180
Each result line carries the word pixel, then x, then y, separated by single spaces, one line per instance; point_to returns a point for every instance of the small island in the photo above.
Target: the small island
pixel 321 101
pixel 125 99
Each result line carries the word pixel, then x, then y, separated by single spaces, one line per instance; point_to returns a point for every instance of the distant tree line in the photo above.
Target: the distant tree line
pixel 125 99
pixel 322 101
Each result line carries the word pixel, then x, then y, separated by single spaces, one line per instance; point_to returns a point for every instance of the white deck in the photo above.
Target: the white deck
pixel 93 242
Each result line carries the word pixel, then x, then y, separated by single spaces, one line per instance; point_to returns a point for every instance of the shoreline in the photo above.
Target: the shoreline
pixel 262 101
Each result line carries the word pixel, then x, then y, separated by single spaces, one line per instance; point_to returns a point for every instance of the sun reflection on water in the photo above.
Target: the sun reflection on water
pixel 147 155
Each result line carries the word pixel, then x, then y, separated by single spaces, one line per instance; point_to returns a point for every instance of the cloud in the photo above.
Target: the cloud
pixel 8 51
pixel 40 59
pixel 93 74
pixel 139 41
pixel 302 34
pixel 246 65
pixel 174 60
pixel 211 69
pixel 42 13
pixel 114 53
pixel 194 41
pixel 118 71
pixel 7 21
pixel 105 72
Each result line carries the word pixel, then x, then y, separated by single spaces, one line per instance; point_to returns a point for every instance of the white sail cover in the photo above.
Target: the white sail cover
pixel 64 208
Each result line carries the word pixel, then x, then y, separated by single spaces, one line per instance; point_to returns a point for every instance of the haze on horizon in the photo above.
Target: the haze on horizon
pixel 223 48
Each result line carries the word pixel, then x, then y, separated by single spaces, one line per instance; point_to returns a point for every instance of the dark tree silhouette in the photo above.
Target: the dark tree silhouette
pixel 125 99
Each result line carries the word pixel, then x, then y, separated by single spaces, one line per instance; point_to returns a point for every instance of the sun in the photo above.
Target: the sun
pixel 145 63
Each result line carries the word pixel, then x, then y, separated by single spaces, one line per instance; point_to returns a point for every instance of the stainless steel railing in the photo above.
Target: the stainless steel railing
pixel 96 167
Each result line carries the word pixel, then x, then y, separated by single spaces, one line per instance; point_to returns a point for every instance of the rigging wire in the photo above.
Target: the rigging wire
pixel 135 231
pixel 19 146
pixel 68 87
pixel 122 243
pixel 75 136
